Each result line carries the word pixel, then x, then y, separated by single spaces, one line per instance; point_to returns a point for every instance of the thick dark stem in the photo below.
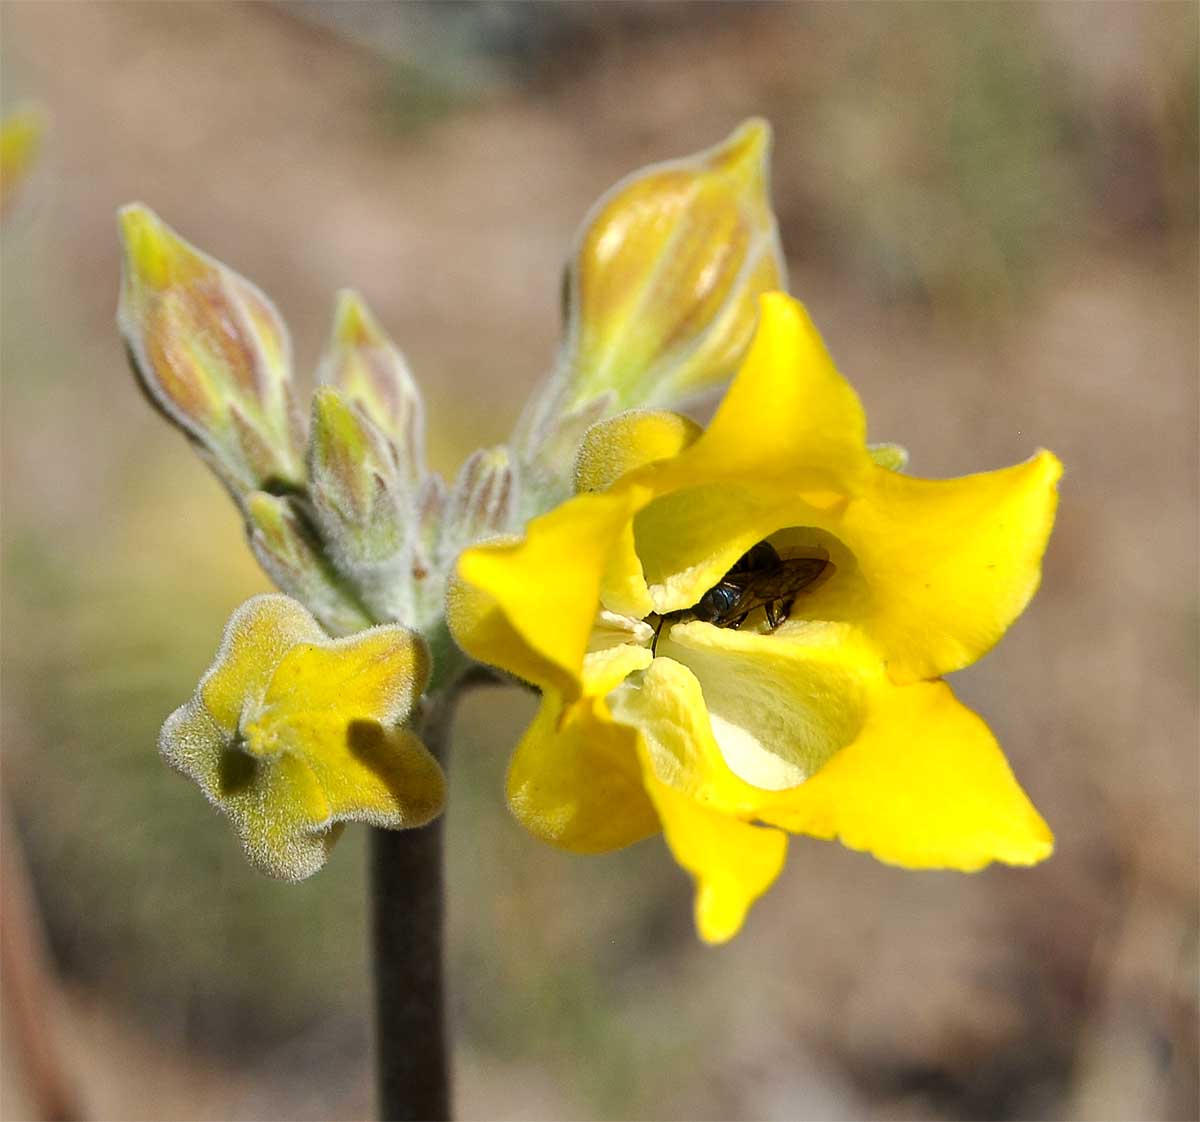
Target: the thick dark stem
pixel 411 1048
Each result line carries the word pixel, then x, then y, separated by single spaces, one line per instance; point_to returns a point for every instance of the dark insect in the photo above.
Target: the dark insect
pixel 759 579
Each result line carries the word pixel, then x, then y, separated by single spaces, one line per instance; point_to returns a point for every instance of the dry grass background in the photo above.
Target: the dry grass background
pixel 990 209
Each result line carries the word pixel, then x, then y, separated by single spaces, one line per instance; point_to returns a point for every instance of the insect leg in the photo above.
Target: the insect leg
pixel 778 612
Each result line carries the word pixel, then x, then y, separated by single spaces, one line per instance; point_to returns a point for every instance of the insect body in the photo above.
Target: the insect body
pixel 759 579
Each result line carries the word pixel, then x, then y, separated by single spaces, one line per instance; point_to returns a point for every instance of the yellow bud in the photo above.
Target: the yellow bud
pixel 212 353
pixel 21 135
pixel 663 287
pixel 371 372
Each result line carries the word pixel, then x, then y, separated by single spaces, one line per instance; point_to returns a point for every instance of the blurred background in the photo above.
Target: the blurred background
pixel 991 210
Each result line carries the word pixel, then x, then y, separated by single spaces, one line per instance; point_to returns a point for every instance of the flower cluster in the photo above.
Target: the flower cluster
pixel 343 513
pixel 738 632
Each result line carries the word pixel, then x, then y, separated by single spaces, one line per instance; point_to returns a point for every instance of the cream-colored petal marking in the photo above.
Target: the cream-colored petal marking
pixel 614 628
pixel 782 704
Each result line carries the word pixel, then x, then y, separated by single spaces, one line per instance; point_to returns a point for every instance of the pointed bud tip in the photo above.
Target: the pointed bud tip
pixel 495 459
pixel 745 151
pixel 155 256
pixel 337 430
pixel 326 398
pixel 353 323
pixel 21 134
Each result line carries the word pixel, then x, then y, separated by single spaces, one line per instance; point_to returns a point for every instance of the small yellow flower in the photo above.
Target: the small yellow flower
pixel 292 734
pixel 835 722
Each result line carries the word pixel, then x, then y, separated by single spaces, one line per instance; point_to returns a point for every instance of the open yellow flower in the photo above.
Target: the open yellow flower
pixel 833 723
pixel 292 734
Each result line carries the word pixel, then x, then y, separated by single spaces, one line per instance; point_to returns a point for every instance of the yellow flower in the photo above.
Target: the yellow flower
pixel 834 723
pixel 292 734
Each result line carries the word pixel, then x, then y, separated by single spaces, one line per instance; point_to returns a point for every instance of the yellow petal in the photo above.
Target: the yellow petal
pixel 259 633
pixel 282 819
pixel 482 629
pixel 610 449
pixel 732 862
pixel 950 563
pixel 374 675
pixel 786 448
pixel 604 670
pixel 529 606
pixel 788 414
pixel 627 441
pixel 575 780
pixel 276 806
pixel 667 707
pixel 686 540
pixel 780 705
pixel 924 786
pixel 377 774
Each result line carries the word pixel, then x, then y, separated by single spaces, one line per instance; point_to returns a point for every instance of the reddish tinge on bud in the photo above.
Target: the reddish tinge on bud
pixel 213 355
pixel 664 283
pixel 373 375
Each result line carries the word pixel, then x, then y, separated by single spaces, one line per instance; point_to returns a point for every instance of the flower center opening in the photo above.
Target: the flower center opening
pixel 767 582
pixel 778 712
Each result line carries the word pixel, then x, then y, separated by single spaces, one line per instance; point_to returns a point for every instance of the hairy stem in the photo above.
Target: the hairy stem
pixel 412 1054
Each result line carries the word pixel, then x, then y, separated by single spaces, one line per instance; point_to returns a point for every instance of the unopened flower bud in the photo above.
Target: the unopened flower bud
pixel 663 287
pixel 21 135
pixel 481 502
pixel 213 354
pixel 354 481
pixel 372 374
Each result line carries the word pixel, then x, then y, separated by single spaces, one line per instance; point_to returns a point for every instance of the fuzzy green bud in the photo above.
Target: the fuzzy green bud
pixel 481 503
pixel 373 375
pixel 212 354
